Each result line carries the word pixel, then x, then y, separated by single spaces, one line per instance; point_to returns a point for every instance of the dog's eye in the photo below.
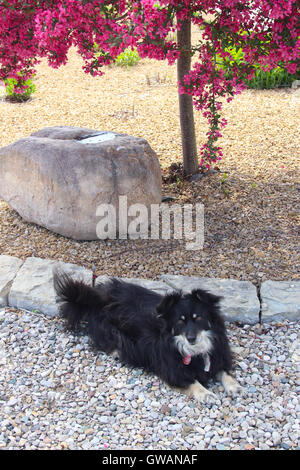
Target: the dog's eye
pixel 195 316
pixel 181 320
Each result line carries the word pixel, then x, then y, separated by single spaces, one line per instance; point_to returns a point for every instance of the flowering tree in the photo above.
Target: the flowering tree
pixel 268 32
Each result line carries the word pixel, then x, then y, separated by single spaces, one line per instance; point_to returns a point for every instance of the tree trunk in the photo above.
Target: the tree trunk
pixel 188 136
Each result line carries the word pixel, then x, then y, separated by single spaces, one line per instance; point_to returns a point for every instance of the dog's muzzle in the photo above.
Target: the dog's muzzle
pixel 202 343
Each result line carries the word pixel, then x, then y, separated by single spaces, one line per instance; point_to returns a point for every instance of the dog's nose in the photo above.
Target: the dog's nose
pixel 191 339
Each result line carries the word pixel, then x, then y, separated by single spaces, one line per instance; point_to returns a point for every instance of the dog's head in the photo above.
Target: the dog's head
pixel 192 319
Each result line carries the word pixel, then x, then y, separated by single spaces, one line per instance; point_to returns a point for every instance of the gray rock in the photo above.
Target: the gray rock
pixel 9 266
pixel 32 288
pixel 280 300
pixel 56 179
pixel 239 302
pixel 221 447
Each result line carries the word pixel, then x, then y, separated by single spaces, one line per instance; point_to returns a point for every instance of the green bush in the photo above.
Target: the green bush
pixel 128 58
pixel 11 85
pixel 275 78
pixel 262 79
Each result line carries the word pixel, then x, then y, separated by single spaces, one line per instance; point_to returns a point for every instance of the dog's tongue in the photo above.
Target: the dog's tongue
pixel 187 359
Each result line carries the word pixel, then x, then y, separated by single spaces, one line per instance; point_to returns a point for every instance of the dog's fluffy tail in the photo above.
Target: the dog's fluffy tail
pixel 77 299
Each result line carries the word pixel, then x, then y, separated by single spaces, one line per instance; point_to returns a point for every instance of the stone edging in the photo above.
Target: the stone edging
pixel 29 285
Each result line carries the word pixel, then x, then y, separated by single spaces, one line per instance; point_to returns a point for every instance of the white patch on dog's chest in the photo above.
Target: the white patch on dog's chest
pixel 206 362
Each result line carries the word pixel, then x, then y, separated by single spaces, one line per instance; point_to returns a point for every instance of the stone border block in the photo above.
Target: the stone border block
pixel 32 288
pixel 239 298
pixel 159 287
pixel 29 285
pixel 280 300
pixel 9 266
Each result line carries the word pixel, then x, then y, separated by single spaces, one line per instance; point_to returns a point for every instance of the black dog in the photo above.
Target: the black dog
pixel 179 337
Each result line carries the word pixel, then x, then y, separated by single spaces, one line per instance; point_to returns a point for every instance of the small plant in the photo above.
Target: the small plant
pixel 128 58
pixel 224 178
pixel 275 78
pixel 223 184
pixel 124 114
pixel 11 89
pixel 262 79
pixel 158 79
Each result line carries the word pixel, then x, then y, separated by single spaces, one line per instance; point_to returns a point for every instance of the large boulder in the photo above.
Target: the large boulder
pixel 57 177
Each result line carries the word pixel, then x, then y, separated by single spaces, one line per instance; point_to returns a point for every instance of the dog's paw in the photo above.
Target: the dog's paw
pixel 231 386
pixel 234 388
pixel 200 393
pixel 115 354
pixel 205 396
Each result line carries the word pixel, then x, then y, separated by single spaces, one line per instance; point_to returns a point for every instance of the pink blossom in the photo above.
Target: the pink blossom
pixel 32 30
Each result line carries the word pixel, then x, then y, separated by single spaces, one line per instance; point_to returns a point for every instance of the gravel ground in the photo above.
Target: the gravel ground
pixel 56 392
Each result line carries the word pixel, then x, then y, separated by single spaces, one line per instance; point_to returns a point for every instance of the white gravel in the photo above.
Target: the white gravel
pixel 56 392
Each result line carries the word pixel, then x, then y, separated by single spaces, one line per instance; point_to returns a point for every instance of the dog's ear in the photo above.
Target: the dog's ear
pixel 206 297
pixel 165 306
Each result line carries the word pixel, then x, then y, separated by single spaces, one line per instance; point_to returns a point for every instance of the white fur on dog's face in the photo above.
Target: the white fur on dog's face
pixel 202 345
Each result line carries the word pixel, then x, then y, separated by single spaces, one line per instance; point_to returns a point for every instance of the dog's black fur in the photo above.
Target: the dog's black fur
pixel 149 330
